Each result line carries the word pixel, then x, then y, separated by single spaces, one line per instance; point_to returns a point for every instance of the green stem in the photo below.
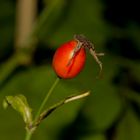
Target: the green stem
pixel 28 135
pixel 7 68
pixel 46 99
pixel 30 132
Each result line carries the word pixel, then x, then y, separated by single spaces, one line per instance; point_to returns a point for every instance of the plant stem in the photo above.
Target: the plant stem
pixel 30 132
pixel 28 135
pixel 46 99
pixel 7 68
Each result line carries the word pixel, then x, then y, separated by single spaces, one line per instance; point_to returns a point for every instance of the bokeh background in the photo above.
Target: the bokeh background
pixel 30 32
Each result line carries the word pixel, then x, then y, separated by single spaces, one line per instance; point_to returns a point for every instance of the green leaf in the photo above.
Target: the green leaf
pixel 5 104
pixel 129 127
pixel 20 104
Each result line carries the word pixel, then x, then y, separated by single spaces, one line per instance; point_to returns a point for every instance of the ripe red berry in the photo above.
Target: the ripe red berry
pixel 69 59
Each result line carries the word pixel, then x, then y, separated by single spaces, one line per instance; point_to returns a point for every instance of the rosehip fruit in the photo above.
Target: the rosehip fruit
pixel 69 59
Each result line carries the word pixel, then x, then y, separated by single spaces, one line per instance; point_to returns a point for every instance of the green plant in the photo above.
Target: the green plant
pixel 19 102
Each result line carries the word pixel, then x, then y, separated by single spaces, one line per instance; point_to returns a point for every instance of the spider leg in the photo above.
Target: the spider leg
pixel 76 49
pixel 90 46
pixel 100 54
pixel 94 54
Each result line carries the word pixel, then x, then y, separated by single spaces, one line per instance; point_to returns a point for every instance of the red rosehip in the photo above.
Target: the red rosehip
pixel 69 59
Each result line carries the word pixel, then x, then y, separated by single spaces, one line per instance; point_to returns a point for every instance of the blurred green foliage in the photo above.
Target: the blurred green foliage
pixel 112 112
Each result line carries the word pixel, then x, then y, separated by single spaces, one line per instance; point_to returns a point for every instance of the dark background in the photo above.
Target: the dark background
pixel 112 112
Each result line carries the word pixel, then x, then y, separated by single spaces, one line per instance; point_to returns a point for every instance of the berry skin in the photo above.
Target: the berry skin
pixel 68 62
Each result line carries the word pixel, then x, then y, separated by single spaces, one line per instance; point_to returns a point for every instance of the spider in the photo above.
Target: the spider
pixel 82 41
